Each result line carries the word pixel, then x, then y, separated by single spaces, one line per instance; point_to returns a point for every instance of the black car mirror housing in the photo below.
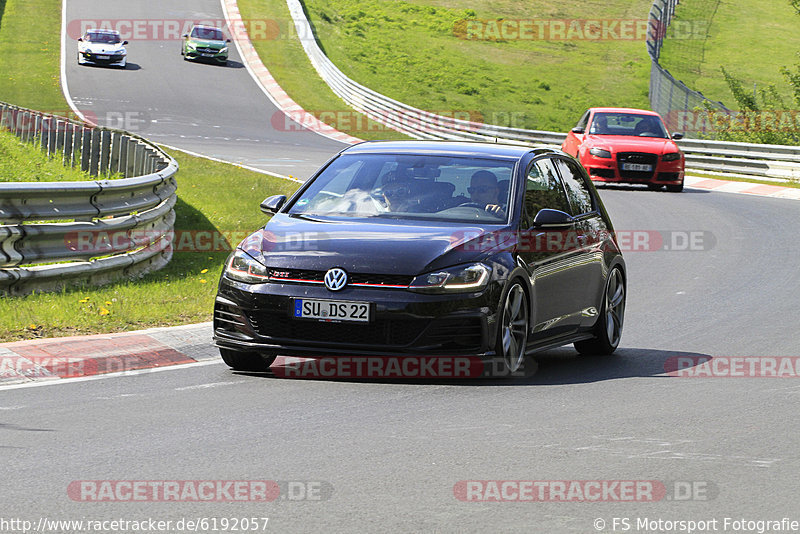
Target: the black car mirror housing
pixel 273 204
pixel 553 219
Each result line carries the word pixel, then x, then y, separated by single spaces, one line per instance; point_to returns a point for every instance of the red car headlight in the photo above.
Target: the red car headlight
pixel 671 156
pixel 600 152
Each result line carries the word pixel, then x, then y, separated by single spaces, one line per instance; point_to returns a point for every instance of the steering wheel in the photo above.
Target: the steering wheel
pixel 471 205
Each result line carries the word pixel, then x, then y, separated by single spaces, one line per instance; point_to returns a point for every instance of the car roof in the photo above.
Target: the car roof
pixel 206 27
pixel 626 110
pixel 101 30
pixel 446 148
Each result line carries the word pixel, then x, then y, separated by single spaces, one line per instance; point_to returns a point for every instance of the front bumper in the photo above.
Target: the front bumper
pixel 104 59
pixel 610 169
pixel 257 318
pixel 205 54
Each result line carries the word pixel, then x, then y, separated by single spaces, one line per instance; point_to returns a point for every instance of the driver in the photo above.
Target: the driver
pixel 483 190
pixel 397 192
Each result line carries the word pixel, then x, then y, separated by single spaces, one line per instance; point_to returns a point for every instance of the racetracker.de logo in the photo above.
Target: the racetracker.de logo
pixel 175 29
pixel 559 490
pixel 577 30
pixel 733 366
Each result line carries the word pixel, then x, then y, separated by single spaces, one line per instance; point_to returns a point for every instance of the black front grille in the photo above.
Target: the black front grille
pixel 380 279
pixel 455 333
pixel 640 158
pixel 352 278
pixel 228 318
pixel 207 50
pixel 395 333
pixel 602 173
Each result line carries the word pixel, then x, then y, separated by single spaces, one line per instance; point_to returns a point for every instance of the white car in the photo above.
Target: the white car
pixel 102 47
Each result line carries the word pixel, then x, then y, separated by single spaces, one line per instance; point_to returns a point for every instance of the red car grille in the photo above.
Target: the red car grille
pixel 640 158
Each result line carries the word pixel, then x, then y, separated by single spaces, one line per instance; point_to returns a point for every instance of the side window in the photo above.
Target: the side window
pixel 543 190
pixel 578 193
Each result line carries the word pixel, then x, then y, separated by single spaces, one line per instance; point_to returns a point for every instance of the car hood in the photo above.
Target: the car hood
pixel 403 247
pixel 101 48
pixel 627 143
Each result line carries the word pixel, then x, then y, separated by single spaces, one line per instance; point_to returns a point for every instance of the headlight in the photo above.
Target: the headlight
pixel 464 278
pixel 223 50
pixel 672 156
pixel 243 267
pixel 191 45
pixel 600 152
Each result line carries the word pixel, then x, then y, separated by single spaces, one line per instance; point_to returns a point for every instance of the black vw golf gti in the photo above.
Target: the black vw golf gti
pixel 428 248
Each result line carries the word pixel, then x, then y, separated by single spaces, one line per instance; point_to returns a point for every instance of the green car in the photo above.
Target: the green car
pixel 205 43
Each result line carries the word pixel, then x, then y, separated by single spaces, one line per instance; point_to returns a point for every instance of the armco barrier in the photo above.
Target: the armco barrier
pixel 131 200
pixel 767 161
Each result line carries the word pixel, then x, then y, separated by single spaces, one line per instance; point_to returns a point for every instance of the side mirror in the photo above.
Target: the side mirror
pixel 124 43
pixel 80 39
pixel 273 204
pixel 578 130
pixel 553 220
pixel 677 136
pixel 227 40
pixel 186 35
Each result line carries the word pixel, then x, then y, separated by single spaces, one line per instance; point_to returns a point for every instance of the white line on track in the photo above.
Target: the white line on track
pixel 177 367
pixel 210 385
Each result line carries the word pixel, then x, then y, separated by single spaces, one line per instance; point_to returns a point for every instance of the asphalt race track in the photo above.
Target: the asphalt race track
pixel 388 454
pixel 214 110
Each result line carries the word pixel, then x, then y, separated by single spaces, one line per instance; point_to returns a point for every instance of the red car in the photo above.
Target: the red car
pixel 627 146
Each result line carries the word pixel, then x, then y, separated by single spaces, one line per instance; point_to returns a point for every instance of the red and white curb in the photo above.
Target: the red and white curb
pixel 742 188
pixel 87 356
pixel 268 85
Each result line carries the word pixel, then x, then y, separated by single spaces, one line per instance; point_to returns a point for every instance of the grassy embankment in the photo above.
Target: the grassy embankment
pixel 752 39
pixel 411 51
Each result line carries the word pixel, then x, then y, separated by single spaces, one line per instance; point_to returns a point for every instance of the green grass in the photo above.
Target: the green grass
pixel 409 51
pixel 23 162
pixel 289 65
pixel 29 55
pixel 212 198
pixel 752 39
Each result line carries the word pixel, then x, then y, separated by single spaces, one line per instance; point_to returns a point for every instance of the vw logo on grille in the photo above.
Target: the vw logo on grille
pixel 335 279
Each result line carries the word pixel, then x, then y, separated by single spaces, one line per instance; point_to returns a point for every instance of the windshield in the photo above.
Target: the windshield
pixel 102 37
pixel 627 124
pixel 455 189
pixel 211 34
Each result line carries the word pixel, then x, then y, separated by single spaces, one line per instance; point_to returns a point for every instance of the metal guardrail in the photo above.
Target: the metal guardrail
pixel 768 161
pixel 93 231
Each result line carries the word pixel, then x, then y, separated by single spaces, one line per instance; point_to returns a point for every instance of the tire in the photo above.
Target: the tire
pixel 512 334
pixel 246 361
pixel 608 329
pixel 675 188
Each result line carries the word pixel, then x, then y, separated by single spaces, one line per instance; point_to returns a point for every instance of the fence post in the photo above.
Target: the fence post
pixel 94 157
pixel 86 148
pixel 122 164
pixel 105 151
pixel 66 159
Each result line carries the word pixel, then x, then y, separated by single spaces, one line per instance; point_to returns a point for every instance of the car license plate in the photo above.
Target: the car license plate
pixel 103 57
pixel 331 310
pixel 207 55
pixel 636 167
